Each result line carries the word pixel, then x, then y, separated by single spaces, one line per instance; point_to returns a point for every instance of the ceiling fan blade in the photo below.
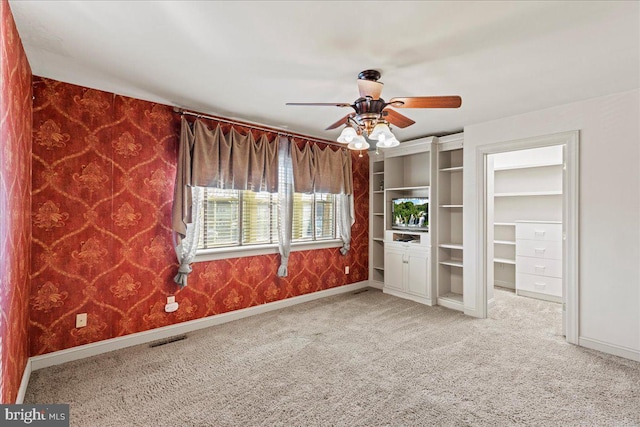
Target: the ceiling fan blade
pixel 426 102
pixel 340 122
pixel 322 104
pixel 398 119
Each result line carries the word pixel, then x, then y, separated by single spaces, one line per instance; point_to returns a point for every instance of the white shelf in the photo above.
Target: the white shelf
pixel 378 173
pixel 378 214
pixel 378 239
pixel 421 187
pixel 451 245
pixel 378 192
pixel 505 261
pixel 452 297
pixel 452 301
pixel 453 169
pixel 378 268
pixel 454 262
pixel 529 193
pixel 539 165
pixel 505 224
pixel 451 206
pixel 504 242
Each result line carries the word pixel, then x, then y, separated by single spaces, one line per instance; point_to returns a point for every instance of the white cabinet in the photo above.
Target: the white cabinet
pixel 539 259
pixel 407 272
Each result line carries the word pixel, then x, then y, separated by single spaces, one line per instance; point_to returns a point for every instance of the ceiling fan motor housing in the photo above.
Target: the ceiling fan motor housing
pixel 372 75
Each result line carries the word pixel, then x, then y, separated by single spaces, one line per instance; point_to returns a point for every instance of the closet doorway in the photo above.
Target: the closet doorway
pixel 530 223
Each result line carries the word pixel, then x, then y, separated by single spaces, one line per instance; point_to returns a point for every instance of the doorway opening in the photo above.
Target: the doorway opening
pixel 529 218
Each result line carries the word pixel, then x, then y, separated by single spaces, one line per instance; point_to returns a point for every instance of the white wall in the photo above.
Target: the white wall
pixel 609 208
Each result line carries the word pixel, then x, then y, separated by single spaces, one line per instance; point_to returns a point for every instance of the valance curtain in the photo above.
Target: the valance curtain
pixel 317 170
pixel 233 161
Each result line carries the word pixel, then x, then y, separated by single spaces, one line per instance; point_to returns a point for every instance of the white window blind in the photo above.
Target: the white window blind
pixel 325 220
pixel 242 218
pixel 259 218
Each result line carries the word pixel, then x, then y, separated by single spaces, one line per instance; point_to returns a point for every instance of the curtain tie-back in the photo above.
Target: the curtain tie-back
pixel 283 271
pixel 183 272
pixel 345 248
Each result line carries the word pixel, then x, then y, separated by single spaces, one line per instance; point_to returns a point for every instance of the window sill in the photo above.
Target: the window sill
pixel 245 251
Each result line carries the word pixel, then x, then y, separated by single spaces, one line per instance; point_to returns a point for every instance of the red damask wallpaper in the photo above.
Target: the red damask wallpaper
pixel 103 176
pixel 15 205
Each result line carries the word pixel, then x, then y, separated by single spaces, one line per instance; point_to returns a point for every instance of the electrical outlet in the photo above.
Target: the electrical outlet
pixel 81 320
pixel 171 299
pixel 346 270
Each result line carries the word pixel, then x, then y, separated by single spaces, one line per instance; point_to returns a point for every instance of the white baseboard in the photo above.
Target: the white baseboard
pixel 404 295
pixel 375 284
pixel 24 382
pixel 93 349
pixel 616 350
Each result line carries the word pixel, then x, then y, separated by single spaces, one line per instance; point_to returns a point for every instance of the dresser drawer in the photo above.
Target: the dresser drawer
pixel 540 284
pixel 539 231
pixel 539 249
pixel 539 266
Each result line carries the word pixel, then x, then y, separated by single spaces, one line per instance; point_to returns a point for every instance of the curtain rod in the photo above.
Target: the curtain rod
pixel 183 112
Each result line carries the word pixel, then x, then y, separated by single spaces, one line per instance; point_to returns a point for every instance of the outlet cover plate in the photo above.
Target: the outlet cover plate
pixel 81 320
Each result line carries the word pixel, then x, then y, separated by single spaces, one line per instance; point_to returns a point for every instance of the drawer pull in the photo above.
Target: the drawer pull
pixel 540 267
pixel 539 250
pixel 539 285
pixel 539 232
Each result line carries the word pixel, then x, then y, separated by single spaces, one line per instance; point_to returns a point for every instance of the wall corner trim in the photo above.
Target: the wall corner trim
pixel 105 346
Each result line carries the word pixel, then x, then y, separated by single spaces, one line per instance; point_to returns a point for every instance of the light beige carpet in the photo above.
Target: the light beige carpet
pixel 356 360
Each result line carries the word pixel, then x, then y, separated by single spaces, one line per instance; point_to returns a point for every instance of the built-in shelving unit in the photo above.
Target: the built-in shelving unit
pixel 402 261
pixel 527 185
pixel 376 220
pixel 449 228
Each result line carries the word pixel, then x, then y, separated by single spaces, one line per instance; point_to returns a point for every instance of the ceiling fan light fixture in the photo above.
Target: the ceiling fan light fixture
pixel 347 135
pixel 388 143
pixel 381 132
pixel 358 143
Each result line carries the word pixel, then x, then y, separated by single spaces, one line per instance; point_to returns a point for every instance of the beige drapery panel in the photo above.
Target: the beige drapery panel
pixel 210 158
pixel 321 170
pixel 181 211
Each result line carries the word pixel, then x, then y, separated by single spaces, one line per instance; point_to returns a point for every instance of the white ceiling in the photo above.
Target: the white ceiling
pixel 245 60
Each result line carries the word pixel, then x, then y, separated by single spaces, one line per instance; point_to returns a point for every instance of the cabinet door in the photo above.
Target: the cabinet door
pixel 393 268
pixel 418 273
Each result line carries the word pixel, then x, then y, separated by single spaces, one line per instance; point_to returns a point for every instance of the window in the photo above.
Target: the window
pixel 243 218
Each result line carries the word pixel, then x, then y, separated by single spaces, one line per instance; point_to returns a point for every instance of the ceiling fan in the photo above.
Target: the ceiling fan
pixel 372 114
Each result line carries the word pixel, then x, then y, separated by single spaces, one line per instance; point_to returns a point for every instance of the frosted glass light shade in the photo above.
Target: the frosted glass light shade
pixel 381 132
pixel 358 143
pixel 347 135
pixel 388 143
